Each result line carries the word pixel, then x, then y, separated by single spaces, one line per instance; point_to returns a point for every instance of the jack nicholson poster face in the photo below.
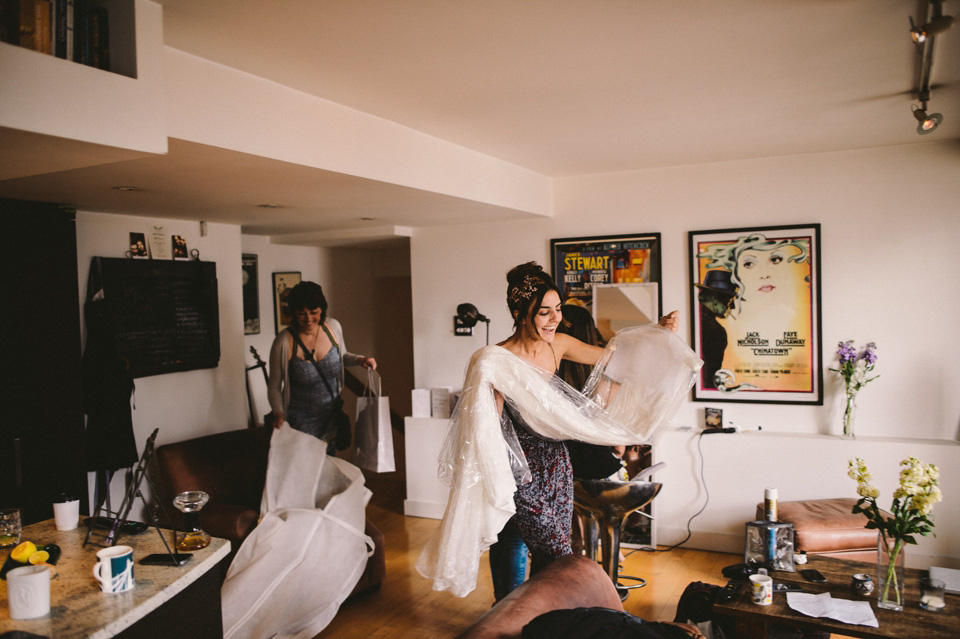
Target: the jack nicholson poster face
pixel 756 314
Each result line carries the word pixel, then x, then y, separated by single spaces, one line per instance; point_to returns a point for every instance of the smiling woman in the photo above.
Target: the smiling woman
pixel 306 369
pixel 544 504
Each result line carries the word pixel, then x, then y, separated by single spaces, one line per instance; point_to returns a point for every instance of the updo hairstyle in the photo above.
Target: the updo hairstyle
pixel 526 286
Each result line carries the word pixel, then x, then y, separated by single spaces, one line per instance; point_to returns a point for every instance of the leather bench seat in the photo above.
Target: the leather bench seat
pixel 828 527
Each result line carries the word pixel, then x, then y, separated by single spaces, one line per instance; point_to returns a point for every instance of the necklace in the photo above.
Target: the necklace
pixel 304 346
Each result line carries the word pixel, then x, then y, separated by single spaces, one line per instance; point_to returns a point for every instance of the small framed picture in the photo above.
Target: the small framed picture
pixel 251 295
pixel 158 244
pixel 282 283
pixel 179 248
pixel 713 418
pixel 138 246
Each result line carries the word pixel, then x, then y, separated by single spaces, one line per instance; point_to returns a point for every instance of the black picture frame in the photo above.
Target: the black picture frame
pixel 755 314
pixel 579 262
pixel 282 283
pixel 251 294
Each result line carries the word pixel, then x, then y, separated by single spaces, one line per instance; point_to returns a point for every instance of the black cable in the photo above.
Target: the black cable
pixel 703 480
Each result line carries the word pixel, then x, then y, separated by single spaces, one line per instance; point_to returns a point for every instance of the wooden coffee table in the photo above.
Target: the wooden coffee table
pixel 913 622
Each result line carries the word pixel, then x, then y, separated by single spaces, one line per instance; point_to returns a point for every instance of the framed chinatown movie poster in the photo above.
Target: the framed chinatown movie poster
pixel 755 302
pixel 581 262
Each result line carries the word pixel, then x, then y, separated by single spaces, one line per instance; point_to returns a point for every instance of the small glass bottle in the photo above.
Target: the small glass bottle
pixel 190 503
pixel 770 514
pixel 770 504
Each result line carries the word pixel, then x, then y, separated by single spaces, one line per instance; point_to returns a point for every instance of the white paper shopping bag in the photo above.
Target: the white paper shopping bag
pixel 373 431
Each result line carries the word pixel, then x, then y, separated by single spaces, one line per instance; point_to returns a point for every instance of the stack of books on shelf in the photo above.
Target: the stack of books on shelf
pixel 74 30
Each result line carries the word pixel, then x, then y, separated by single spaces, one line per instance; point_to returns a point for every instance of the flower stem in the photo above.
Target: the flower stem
pixel 891 578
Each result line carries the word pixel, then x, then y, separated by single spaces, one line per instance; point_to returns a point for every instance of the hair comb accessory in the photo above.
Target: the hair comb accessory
pixel 526 288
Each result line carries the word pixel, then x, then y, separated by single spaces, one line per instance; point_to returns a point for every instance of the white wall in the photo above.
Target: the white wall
pixel 219 106
pixel 889 232
pixel 192 403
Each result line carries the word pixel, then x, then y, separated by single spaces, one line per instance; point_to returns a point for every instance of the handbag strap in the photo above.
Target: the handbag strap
pixel 330 335
pixel 316 365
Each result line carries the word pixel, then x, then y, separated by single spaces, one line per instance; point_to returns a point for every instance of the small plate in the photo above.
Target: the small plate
pixel 10 564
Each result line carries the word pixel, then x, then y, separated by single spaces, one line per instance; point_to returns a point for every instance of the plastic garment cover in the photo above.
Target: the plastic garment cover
pixel 634 391
pixel 307 553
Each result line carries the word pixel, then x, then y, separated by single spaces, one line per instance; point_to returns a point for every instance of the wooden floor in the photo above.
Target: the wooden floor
pixel 407 607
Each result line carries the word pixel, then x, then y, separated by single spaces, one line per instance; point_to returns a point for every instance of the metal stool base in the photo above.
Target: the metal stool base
pixel 624 591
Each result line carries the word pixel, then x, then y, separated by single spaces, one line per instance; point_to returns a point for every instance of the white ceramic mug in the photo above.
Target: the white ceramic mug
pixel 762 589
pixel 66 514
pixel 114 569
pixel 28 591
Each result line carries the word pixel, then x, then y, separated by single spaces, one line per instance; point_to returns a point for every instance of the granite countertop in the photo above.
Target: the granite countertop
pixel 77 606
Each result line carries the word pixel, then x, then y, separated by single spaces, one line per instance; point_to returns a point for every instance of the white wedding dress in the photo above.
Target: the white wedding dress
pixel 307 553
pixel 633 392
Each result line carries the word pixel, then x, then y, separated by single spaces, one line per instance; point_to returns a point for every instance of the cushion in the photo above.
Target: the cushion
pixel 826 525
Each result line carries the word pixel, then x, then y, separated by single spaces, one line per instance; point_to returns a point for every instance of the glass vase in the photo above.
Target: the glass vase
pixel 849 415
pixel 890 569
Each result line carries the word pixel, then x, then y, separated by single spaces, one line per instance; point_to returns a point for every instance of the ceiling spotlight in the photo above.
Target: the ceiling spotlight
pixel 125 188
pixel 927 122
pixel 268 206
pixel 936 25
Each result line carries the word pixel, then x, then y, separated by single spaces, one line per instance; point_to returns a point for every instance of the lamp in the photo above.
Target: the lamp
pixel 927 122
pixel 466 318
pixel 923 35
pixel 939 24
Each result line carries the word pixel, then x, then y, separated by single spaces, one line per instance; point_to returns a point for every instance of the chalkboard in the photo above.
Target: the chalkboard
pixel 164 315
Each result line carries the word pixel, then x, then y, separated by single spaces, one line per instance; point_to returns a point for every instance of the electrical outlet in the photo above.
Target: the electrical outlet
pixel 459 328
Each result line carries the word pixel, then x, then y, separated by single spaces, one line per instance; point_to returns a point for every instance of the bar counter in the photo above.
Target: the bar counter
pixel 170 601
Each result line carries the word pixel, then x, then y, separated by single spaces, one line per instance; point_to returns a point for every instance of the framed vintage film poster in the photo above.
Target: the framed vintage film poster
pixel 282 283
pixel 755 301
pixel 581 262
pixel 251 295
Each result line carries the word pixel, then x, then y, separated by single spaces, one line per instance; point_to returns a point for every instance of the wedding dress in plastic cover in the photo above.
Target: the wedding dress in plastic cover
pixel 307 553
pixel 635 389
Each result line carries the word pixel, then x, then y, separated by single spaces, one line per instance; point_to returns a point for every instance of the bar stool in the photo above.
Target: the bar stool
pixel 609 502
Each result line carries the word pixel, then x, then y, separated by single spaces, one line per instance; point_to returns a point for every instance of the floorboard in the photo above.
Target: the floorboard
pixel 406 607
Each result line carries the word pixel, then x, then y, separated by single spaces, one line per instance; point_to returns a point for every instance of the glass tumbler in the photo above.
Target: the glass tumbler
pixel 9 527
pixel 931 594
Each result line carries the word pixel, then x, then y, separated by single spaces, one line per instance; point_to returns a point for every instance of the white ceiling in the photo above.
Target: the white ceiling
pixel 562 87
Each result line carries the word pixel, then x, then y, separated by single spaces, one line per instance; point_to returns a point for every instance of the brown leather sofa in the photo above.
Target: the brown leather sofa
pixel 232 467
pixel 828 527
pixel 570 582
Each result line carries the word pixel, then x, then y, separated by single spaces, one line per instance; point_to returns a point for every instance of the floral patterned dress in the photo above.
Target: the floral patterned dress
pixel 544 505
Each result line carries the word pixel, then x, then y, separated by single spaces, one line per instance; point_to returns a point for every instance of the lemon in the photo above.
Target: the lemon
pixel 23 551
pixel 39 557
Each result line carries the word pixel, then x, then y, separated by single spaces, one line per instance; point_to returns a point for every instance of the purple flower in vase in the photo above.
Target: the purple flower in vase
pixel 870 354
pixel 847 352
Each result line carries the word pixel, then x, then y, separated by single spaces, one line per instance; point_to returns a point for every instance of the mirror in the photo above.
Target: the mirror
pixel 617 306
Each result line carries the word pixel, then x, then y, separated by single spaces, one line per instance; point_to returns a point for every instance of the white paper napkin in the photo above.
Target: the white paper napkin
pixel 823 605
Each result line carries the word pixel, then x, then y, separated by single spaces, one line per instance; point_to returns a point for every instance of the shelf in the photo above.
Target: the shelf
pixel 103 110
pixel 914 441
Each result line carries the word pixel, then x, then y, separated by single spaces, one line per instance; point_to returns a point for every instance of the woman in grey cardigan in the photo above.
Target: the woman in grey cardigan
pixel 306 365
